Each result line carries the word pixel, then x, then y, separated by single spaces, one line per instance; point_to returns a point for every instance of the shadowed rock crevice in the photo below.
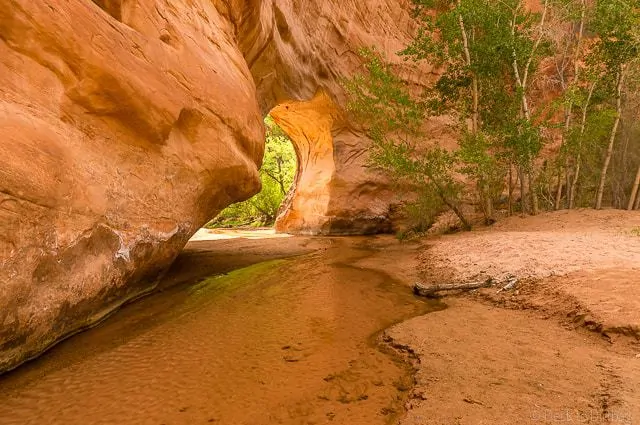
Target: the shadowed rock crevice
pixel 112 7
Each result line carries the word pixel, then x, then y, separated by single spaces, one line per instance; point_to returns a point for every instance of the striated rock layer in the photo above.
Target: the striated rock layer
pixel 127 124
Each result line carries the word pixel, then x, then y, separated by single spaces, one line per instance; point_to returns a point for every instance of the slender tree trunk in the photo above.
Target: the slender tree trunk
pixel 523 192
pixel 490 218
pixel 522 80
pixel 456 210
pixel 568 185
pixel 534 195
pixel 452 205
pixel 281 178
pixel 475 119
pixel 637 206
pixel 558 201
pixel 634 192
pixel 569 111
pixel 536 45
pixel 612 139
pixel 474 82
pixel 487 203
pixel 576 176
pixel 583 125
pixel 510 189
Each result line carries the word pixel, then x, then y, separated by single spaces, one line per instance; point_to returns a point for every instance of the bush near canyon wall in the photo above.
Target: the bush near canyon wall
pixel 277 175
pixel 518 90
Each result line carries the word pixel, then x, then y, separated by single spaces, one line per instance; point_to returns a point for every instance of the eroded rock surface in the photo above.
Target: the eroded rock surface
pixel 127 124
pixel 298 53
pixel 334 192
pixel 118 142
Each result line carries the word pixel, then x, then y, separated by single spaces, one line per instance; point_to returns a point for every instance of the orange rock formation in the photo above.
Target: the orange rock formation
pixel 127 124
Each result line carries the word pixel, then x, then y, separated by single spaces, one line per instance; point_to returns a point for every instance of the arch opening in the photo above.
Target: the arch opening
pixel 331 192
pixel 278 173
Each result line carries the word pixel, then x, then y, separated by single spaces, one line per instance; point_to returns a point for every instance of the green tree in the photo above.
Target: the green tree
pixel 279 159
pixel 382 102
pixel 489 52
pixel 277 174
pixel 570 75
pixel 617 24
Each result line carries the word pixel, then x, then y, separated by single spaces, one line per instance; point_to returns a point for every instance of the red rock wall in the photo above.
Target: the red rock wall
pixel 126 124
pixel 120 136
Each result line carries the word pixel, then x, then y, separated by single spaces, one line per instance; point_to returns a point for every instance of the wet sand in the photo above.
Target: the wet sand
pixel 291 334
pixel 283 341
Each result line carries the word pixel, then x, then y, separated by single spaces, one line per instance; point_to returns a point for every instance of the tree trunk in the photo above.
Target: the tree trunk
pixel 534 195
pixel 522 80
pixel 510 189
pixel 487 203
pixel 569 112
pixel 576 176
pixel 556 205
pixel 569 187
pixel 583 124
pixel 490 218
pixel 634 192
pixel 474 83
pixel 456 210
pixel 523 192
pixel 612 139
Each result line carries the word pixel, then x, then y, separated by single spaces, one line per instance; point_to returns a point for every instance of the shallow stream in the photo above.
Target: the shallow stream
pixel 285 341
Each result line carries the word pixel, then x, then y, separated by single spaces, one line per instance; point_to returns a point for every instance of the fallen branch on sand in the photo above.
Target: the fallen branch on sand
pixel 432 291
pixel 510 283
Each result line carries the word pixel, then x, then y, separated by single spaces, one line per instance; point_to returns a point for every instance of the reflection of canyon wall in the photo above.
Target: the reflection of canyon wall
pixel 127 124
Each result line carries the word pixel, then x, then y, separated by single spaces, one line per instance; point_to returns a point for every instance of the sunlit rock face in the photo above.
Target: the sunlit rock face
pixel 127 124
pixel 298 53
pixel 334 192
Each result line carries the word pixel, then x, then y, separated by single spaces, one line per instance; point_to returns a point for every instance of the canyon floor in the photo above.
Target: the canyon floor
pixel 255 328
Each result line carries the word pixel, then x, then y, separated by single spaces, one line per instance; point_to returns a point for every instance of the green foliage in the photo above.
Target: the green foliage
pixel 384 104
pixel 489 54
pixel 380 99
pixel 279 163
pixel 617 22
pixel 489 51
pixel 480 161
pixel 277 175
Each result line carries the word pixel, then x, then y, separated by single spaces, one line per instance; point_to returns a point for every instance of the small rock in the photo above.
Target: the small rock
pixel 637 356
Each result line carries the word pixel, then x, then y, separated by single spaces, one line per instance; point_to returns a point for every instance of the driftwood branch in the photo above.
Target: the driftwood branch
pixel 509 284
pixel 431 291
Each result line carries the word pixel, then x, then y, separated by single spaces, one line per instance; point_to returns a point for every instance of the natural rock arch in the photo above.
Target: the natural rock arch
pixel 334 192
pixel 127 124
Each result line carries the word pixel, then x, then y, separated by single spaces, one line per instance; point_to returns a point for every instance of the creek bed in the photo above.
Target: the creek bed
pixel 283 341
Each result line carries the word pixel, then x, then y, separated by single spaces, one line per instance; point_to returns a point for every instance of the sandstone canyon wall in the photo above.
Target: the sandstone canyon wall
pixel 126 124
pixel 298 52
